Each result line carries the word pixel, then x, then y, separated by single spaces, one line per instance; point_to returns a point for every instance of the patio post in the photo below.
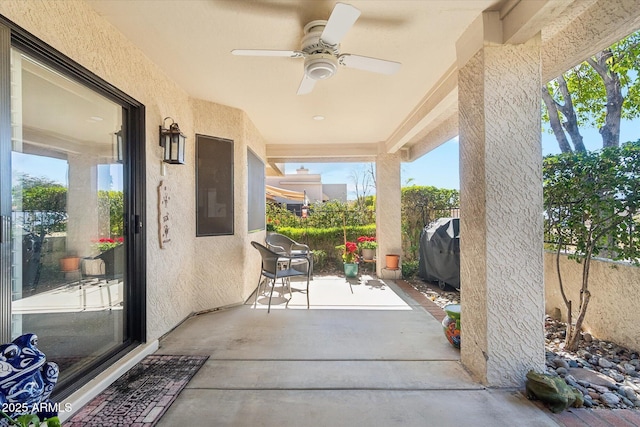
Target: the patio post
pixel 388 208
pixel 82 204
pixel 502 289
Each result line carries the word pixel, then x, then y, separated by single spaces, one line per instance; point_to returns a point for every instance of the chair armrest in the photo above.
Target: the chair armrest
pixel 300 246
pixel 278 249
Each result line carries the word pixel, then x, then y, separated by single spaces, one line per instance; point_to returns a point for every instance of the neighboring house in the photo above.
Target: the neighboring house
pixel 311 184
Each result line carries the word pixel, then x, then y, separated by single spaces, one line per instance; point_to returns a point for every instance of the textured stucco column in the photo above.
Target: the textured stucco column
pixel 502 290
pixel 388 208
pixel 82 204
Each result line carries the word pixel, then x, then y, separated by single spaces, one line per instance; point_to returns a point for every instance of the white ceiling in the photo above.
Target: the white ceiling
pixel 191 41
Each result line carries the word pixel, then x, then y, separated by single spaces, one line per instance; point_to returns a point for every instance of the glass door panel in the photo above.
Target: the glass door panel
pixel 68 247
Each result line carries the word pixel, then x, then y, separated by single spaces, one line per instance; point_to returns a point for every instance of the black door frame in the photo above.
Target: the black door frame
pixel 134 168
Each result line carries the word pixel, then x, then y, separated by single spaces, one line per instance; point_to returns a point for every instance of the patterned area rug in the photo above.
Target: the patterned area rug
pixel 142 395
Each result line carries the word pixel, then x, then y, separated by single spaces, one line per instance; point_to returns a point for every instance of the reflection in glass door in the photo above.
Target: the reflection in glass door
pixel 68 248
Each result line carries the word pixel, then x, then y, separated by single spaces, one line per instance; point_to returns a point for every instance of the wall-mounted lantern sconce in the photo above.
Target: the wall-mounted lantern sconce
pixel 118 148
pixel 173 141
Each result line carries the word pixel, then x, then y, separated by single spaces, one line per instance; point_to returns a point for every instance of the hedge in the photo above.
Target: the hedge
pixel 326 239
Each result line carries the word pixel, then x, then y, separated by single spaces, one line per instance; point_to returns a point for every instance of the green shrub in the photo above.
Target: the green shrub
pixel 409 269
pixel 326 239
pixel 319 258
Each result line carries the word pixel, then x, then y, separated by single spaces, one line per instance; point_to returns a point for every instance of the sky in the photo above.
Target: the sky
pixel 440 167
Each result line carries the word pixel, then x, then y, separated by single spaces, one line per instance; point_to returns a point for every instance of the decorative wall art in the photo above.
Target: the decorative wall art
pixel 164 217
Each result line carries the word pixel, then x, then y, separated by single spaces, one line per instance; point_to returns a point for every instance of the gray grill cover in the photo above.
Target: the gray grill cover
pixel 440 252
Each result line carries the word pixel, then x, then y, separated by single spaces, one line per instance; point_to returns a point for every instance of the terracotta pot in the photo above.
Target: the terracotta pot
pixel 69 263
pixel 392 261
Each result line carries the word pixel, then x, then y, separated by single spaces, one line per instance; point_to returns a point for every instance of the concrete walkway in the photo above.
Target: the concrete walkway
pixel 363 355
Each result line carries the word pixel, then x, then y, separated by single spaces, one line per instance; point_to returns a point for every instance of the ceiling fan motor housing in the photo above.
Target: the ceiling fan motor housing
pixel 321 61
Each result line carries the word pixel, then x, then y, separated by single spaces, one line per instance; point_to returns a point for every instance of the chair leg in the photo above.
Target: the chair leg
pixel 273 286
pixel 307 291
pixel 255 303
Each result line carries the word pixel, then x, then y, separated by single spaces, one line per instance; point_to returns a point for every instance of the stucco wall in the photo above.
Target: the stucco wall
pixel 501 204
pixel 190 274
pixel 612 313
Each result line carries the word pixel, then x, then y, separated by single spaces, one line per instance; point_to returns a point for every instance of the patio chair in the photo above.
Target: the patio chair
pixel 278 266
pixel 287 246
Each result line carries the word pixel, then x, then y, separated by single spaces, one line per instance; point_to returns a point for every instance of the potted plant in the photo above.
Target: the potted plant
pixel 112 253
pixel 70 262
pixel 349 258
pixel 367 245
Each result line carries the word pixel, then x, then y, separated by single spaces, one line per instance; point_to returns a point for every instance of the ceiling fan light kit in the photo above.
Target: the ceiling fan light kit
pixel 321 49
pixel 320 66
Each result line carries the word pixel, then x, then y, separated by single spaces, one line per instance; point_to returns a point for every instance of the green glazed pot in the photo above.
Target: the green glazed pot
pixel 350 270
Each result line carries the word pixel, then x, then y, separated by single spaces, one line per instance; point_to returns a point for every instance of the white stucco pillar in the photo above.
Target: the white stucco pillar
pixel 388 208
pixel 82 204
pixel 502 290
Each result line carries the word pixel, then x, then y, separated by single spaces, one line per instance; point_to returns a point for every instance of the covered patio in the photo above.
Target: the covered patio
pixel 373 357
pixel 474 69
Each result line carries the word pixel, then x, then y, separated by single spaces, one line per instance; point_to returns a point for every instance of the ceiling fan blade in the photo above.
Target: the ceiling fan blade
pixel 365 63
pixel 306 85
pixel 341 20
pixel 267 52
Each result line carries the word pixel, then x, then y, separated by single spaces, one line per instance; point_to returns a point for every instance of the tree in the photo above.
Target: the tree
pixel 110 213
pixel 591 201
pixel 43 203
pixel 599 92
pixel 420 206
pixel 40 207
pixel 364 180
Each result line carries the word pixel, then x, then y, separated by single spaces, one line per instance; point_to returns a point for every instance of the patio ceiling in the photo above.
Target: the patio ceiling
pixel 364 113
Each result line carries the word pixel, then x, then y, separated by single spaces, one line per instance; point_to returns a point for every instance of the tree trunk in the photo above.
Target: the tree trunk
pixel 571 120
pixel 610 131
pixel 554 121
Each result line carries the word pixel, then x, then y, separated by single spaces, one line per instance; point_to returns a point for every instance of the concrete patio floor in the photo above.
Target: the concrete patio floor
pixel 362 355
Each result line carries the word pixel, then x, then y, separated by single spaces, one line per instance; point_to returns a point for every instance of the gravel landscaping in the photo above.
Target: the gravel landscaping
pixel 607 374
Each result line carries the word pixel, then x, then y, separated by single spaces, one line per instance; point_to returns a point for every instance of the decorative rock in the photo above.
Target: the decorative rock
pixel 604 363
pixel 636 403
pixel 560 363
pixel 573 364
pixel 629 392
pixel 615 375
pixel 594 395
pixel 586 336
pixel 610 399
pixel 592 377
pixel 562 371
pixel 629 368
pixel 635 387
pixel 577 386
pixel 583 383
pixel 583 362
pixel 627 402
pixel 600 389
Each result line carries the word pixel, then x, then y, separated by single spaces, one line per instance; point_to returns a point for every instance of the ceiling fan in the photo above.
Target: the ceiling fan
pixel 321 49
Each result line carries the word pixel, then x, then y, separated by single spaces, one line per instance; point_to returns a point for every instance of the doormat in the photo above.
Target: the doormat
pixel 142 395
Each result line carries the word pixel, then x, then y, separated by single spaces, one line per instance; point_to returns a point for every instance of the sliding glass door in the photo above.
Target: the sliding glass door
pixel 72 247
pixel 67 200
